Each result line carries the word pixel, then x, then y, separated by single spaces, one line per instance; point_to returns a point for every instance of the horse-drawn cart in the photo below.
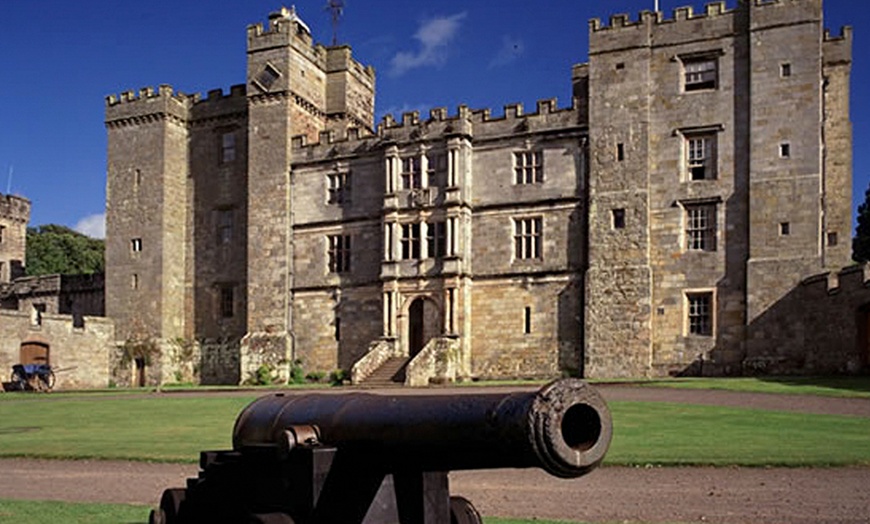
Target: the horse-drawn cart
pixel 32 377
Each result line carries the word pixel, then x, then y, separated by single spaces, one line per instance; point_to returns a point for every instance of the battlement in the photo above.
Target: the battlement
pixel 833 281
pixel 340 58
pixel 478 123
pixel 164 91
pixel 286 29
pixel 838 48
pixel 15 208
pixel 284 21
pixel 649 18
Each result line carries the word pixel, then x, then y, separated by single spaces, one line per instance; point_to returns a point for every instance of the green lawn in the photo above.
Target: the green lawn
pixel 177 427
pixel 157 427
pixel 853 387
pixel 28 512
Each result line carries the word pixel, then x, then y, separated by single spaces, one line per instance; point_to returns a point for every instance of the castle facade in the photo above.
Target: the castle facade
pixel 701 172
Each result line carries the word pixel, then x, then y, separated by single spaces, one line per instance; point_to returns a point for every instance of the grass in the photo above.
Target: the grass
pixel 176 428
pixel 668 434
pixel 158 428
pixel 843 387
pixel 38 512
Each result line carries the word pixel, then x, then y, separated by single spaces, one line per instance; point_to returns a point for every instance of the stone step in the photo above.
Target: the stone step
pixel 391 373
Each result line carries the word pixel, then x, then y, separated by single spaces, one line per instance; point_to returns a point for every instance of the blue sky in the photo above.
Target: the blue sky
pixel 60 58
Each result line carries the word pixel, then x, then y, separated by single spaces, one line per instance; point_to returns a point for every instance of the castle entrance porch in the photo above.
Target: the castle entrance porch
pixel 424 323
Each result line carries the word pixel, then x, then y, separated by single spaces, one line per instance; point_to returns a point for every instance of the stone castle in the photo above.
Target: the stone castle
pixel 700 174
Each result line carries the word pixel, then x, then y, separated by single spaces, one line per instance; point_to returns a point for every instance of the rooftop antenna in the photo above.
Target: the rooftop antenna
pixel 336 9
pixel 9 180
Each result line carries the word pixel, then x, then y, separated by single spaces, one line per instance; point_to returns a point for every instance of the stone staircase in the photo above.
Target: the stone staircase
pixel 391 373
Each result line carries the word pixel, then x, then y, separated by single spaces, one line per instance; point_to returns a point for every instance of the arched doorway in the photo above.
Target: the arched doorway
pixel 424 323
pixel 34 351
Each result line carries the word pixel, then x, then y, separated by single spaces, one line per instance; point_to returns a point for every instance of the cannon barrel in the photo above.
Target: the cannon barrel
pixel 564 428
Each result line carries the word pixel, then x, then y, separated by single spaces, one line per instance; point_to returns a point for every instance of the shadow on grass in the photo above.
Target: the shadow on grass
pixel 851 383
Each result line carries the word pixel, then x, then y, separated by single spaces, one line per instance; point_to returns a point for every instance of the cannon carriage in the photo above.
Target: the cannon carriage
pixel 362 458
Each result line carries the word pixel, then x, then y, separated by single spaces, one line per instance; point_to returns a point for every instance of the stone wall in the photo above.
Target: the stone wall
pixel 14 217
pixel 820 327
pixel 79 355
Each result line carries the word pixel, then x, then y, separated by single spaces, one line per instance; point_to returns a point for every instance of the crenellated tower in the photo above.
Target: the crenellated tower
pixel 720 178
pixel 14 217
pixel 295 87
pixel 147 214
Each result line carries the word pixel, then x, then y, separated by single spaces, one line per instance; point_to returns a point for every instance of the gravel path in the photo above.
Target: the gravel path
pixel 612 494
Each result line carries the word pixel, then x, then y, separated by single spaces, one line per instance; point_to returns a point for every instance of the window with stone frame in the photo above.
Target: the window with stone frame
pixel 226 300
pixel 136 245
pixel 436 239
pixel 37 312
pixel 528 167
pixel 225 226
pixel 700 227
pixel 338 253
pixel 410 176
pixel 699 312
pixel 410 241
pixel 527 238
pixel 700 72
pixel 436 170
pixel 338 188
pixel 228 147
pixel 700 156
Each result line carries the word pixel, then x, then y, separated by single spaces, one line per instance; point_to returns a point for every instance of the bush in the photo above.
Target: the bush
pixel 297 372
pixel 315 376
pixel 339 377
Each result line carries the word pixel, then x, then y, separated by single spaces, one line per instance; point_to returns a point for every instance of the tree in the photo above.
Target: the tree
pixel 55 249
pixel 861 242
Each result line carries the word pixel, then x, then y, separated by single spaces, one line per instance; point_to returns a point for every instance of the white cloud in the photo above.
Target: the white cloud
pixel 93 226
pixel 511 49
pixel 434 36
pixel 398 111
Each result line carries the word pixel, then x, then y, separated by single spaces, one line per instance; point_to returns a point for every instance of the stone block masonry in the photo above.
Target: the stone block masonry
pixel 651 226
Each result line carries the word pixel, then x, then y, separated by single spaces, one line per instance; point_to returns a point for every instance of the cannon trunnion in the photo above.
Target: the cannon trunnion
pixel 383 459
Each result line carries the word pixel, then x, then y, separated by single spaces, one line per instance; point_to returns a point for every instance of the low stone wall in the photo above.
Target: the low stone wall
pixel 821 327
pixel 220 361
pixel 79 355
pixel 378 353
pixel 265 349
pixel 438 362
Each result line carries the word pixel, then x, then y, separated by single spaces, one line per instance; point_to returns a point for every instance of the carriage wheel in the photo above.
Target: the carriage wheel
pixel 49 379
pixel 463 512
pixel 18 380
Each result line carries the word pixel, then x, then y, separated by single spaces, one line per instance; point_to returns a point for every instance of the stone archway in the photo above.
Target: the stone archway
pixel 424 323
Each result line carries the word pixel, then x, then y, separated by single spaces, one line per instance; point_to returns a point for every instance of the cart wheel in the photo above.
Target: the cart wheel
pixel 19 381
pixel 463 512
pixel 170 504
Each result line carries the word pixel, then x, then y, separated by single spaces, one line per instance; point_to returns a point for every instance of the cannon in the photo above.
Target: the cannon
pixel 364 458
